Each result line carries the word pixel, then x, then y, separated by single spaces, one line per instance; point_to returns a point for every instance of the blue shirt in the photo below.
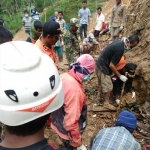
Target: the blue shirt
pixel 115 138
pixel 84 14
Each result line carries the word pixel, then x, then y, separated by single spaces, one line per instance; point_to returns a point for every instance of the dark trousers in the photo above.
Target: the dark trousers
pixel 83 27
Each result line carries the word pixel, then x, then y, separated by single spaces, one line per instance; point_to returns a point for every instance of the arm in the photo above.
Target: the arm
pixel 113 68
pixel 73 115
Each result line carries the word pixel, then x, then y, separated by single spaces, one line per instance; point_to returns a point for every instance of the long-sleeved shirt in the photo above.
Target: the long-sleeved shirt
pixel 115 138
pixel 118 16
pixel 72 47
pixel 67 121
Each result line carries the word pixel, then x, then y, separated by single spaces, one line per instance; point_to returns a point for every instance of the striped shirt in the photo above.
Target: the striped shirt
pixel 115 138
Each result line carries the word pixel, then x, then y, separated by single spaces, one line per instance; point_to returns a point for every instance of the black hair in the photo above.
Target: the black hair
pixel 60 12
pixel 133 39
pixel 25 11
pixel 84 1
pixel 99 8
pixel 38 24
pixel 29 128
pixel 5 35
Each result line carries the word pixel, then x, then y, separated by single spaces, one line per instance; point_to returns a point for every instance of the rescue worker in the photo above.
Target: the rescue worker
pixel 72 48
pixel 35 32
pixel 70 120
pixel 5 35
pixel 34 14
pixel 50 35
pixel 105 65
pixel 26 22
pixel 117 19
pixel 89 43
pixel 124 68
pixel 30 90
pixel 119 137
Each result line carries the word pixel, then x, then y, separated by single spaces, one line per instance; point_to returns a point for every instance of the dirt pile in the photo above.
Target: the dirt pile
pixel 138 22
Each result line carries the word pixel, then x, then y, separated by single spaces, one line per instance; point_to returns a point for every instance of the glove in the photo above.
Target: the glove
pixel 123 78
pixel 82 147
pixel 133 95
pixel 109 27
pixel 121 28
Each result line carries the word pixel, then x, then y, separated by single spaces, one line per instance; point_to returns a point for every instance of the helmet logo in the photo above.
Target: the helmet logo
pixel 12 95
pixel 52 81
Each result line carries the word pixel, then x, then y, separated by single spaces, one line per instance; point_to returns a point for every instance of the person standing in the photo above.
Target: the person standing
pixel 34 14
pixel 117 19
pixel 84 17
pixel 59 45
pixel 72 48
pixel 50 35
pixel 99 23
pixel 26 22
pixel 105 65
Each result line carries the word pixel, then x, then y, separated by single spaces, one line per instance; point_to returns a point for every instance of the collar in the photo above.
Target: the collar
pixel 45 47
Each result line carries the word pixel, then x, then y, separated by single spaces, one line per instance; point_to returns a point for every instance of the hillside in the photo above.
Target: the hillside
pixel 138 23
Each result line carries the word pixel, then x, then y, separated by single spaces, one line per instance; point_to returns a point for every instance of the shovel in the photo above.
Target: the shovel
pixel 122 91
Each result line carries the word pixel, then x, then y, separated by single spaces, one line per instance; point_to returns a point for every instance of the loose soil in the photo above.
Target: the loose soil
pixel 99 117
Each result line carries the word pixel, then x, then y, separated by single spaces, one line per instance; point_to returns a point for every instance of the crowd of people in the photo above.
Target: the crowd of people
pixel 33 92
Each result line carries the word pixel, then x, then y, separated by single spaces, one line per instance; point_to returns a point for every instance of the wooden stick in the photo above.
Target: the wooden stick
pixel 122 91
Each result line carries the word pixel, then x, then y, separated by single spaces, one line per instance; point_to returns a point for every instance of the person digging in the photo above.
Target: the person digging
pixel 105 66
pixel 127 69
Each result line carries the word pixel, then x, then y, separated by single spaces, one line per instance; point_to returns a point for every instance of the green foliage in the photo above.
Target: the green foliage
pixel 12 10
pixel 70 8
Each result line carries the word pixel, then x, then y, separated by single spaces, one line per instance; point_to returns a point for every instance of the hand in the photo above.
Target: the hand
pixel 133 95
pixel 82 147
pixel 123 78
pixel 121 28
pixel 109 27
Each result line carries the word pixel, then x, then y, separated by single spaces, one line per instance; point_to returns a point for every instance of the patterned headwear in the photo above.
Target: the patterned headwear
pixel 127 120
pixel 74 22
pixel 84 66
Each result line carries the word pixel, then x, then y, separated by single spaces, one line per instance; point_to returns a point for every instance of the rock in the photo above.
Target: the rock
pixel 102 109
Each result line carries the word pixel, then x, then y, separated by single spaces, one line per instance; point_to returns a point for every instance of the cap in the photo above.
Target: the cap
pixel 127 120
pixel 91 36
pixel 52 28
pixel 74 22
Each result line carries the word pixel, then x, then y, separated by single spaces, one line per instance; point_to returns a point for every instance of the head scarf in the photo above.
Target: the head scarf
pixel 34 34
pixel 83 66
pixel 127 120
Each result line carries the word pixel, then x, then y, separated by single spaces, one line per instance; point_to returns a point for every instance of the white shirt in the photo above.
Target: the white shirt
pixel 99 22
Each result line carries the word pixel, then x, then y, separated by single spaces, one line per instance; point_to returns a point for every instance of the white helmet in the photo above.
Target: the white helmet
pixel 30 86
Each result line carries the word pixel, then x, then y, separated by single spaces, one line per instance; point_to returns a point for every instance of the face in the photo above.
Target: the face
pixel 26 14
pixel 52 39
pixel 118 1
pixel 56 14
pixel 60 15
pixel 128 44
pixel 39 30
pixel 84 5
pixel 74 28
pixel 99 11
